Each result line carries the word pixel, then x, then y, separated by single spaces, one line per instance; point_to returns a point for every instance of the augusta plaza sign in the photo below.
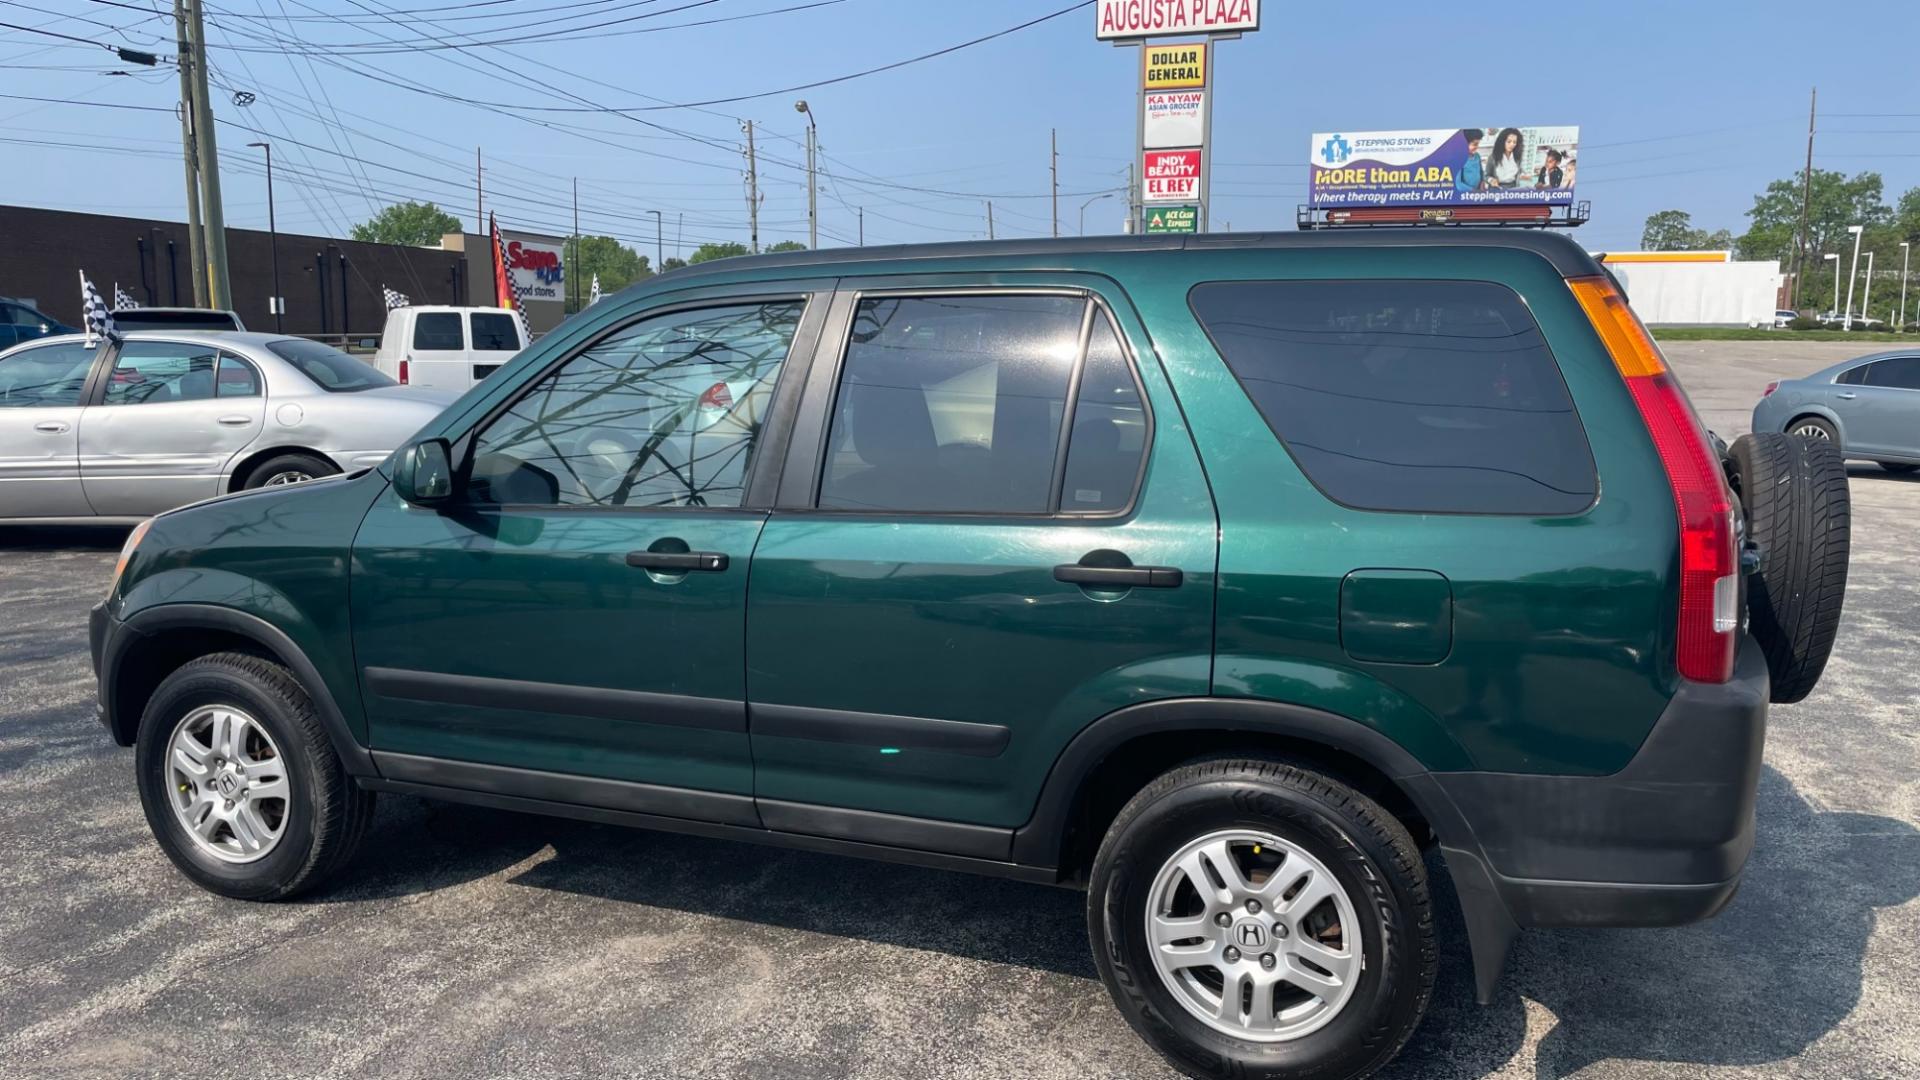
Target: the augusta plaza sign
pixel 1117 19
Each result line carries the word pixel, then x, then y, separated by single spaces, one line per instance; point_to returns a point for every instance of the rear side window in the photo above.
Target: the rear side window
pixel 1415 396
pixel 438 330
pixel 494 332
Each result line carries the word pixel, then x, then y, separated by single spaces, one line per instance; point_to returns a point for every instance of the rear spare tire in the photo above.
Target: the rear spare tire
pixel 1798 513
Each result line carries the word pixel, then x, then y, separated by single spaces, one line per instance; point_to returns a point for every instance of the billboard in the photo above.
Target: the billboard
pixel 1173 67
pixel 1490 166
pixel 1170 175
pixel 1118 19
pixel 538 267
pixel 1174 118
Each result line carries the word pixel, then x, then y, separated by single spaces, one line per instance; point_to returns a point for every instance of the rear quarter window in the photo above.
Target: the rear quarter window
pixel 438 331
pixel 1410 396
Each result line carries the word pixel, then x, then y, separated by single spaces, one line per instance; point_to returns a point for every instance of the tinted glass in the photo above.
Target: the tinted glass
pixel 952 404
pixel 495 332
pixel 1430 396
pixel 156 319
pixel 327 367
pixel 438 330
pixel 1109 429
pixel 236 378
pixel 1853 376
pixel 47 376
pixel 158 372
pixel 664 413
pixel 20 316
pixel 1899 372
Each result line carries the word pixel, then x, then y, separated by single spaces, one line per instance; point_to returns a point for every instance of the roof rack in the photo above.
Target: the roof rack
pixel 1400 217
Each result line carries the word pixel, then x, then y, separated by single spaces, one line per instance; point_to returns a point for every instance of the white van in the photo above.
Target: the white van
pixel 447 348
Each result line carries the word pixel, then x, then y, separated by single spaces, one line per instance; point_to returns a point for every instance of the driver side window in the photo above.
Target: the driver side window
pixel 665 412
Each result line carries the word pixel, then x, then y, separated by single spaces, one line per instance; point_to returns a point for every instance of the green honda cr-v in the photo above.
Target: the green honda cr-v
pixel 1219 576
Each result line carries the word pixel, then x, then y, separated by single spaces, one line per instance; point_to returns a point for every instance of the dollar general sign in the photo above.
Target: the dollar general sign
pixel 1174 67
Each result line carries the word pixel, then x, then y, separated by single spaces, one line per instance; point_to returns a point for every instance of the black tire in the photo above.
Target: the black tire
pixel 1899 468
pixel 1799 513
pixel 1371 856
pixel 326 813
pixel 1812 424
pixel 312 466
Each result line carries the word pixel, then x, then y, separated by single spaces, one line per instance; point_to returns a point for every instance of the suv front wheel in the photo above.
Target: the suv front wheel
pixel 1256 919
pixel 240 783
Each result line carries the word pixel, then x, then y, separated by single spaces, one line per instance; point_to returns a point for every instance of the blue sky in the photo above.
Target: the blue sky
pixel 1682 104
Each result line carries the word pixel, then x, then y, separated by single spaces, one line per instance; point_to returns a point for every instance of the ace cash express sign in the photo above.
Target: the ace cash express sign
pixel 1170 175
pixel 1116 20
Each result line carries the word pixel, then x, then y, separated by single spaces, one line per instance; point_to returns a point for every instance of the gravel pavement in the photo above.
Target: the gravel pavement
pixel 469 942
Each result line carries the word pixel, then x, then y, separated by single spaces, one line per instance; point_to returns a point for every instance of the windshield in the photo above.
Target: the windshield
pixel 329 368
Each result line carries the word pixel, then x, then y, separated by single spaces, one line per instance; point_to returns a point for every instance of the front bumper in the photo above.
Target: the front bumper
pixel 1659 843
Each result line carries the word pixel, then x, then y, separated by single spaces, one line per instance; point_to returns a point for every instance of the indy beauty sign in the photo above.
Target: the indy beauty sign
pixel 1116 20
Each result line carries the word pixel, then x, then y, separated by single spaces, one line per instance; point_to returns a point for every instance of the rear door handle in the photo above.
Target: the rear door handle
pixel 1119 577
pixel 678 562
pixel 236 421
pixel 51 427
pixel 1846 397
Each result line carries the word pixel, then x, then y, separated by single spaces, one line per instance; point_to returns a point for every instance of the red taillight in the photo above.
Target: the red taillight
pixel 1709 582
pixel 403 372
pixel 1771 387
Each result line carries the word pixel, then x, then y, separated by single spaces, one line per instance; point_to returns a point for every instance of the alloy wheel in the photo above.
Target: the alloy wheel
pixel 228 783
pixel 287 476
pixel 1254 936
pixel 1812 431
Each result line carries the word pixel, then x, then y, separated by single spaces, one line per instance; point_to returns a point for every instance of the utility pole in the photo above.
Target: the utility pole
pixel 863 232
pixel 196 239
pixel 753 191
pixel 1133 205
pixel 989 219
pixel 212 214
pixel 813 204
pixel 659 242
pixel 479 196
pixel 273 241
pixel 1805 246
pixel 1053 138
pixel 573 263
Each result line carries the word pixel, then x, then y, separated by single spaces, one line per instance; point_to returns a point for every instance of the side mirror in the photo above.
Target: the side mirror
pixel 423 472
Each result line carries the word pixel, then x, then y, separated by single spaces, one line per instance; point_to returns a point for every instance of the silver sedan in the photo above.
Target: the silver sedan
pixel 1870 405
pixel 120 431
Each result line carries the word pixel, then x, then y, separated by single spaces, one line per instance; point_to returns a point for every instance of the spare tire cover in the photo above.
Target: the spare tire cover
pixel 1798 513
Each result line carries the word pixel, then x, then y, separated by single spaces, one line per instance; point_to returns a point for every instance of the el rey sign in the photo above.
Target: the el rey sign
pixel 1116 20
pixel 1170 175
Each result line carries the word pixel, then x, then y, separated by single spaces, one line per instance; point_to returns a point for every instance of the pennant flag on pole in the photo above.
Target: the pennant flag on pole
pixel 394 299
pixel 595 297
pixel 508 290
pixel 99 319
pixel 123 300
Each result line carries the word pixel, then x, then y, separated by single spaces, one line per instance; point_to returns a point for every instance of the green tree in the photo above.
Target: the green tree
pixel 410 223
pixel 618 265
pixel 710 252
pixel 788 245
pixel 675 263
pixel 1836 201
pixel 1672 230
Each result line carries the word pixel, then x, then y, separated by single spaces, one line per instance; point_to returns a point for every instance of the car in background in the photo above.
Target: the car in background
pixel 120 430
pixel 1869 406
pixel 127 320
pixel 23 322
pixel 447 348
pixel 1782 318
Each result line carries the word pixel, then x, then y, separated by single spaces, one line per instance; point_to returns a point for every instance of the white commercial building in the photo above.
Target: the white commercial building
pixel 1697 288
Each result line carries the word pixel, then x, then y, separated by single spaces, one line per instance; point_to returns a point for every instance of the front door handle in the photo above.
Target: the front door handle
pixel 51 427
pixel 1846 397
pixel 678 562
pixel 1113 570
pixel 236 421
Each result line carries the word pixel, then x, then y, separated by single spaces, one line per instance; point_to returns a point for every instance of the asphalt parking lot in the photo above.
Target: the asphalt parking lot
pixel 469 942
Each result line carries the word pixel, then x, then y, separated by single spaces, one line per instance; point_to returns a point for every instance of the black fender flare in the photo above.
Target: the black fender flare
pixel 164 617
pixel 1491 928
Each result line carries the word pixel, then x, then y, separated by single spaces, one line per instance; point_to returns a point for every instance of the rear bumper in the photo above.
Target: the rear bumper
pixel 1659 843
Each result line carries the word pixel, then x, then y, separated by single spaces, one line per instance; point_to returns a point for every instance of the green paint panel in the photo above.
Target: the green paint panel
pixel 1396 616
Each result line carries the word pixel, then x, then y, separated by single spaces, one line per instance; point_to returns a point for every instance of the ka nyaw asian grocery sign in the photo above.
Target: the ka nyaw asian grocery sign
pixel 1176 118
pixel 1120 19
pixel 1490 166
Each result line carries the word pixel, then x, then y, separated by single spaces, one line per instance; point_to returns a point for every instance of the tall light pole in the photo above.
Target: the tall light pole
pixel 659 242
pixel 1846 321
pixel 1906 256
pixel 1866 294
pixel 273 241
pixel 1834 258
pixel 1090 202
pixel 813 205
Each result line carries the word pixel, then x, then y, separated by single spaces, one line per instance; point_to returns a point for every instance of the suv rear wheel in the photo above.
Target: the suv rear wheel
pixel 1256 919
pixel 240 783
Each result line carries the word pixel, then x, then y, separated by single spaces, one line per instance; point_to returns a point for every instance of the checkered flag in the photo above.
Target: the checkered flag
pixel 594 298
pixel 99 319
pixel 122 299
pixel 395 299
pixel 520 307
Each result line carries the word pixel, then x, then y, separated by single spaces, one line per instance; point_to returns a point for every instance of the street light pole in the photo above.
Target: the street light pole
pixel 1090 202
pixel 273 241
pixel 1906 257
pixel 659 242
pixel 1834 258
pixel 1846 322
pixel 1866 294
pixel 813 205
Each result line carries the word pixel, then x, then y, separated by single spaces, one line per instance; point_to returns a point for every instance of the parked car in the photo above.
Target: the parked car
pixel 447 348
pixel 118 431
pixel 23 322
pixel 1216 575
pixel 1782 318
pixel 127 320
pixel 1868 407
